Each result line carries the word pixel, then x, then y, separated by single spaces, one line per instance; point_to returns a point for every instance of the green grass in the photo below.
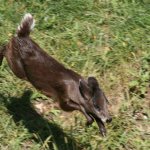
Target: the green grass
pixel 106 39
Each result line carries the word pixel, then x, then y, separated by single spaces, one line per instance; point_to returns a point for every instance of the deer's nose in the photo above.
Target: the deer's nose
pixel 109 120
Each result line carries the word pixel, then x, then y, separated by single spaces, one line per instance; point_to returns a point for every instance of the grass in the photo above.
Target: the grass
pixel 107 39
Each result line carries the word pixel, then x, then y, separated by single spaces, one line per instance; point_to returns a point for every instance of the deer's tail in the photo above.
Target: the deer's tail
pixel 26 25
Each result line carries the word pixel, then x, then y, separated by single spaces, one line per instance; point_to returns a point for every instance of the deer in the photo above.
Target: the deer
pixel 28 61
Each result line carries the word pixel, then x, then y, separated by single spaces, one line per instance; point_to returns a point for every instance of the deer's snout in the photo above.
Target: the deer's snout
pixel 109 120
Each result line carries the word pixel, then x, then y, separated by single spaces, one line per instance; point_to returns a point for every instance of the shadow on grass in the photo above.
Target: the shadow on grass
pixel 21 110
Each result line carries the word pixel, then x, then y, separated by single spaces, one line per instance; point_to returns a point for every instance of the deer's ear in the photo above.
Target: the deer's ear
pixel 84 90
pixel 93 84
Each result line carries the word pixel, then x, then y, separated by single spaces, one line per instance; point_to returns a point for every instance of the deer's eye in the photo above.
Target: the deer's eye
pixel 96 106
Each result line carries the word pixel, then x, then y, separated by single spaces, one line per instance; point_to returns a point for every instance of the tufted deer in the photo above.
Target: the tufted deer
pixel 29 62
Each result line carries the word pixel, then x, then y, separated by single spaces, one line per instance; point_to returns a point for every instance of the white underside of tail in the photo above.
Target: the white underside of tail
pixel 26 17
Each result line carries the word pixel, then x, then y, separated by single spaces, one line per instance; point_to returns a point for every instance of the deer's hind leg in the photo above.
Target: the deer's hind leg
pixel 2 49
pixel 15 63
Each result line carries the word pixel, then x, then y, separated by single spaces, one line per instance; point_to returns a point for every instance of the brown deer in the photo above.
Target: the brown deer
pixel 29 62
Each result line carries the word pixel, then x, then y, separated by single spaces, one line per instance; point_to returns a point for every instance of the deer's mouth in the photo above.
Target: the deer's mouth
pixel 100 124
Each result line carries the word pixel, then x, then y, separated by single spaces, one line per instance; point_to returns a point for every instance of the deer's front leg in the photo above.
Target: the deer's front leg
pixel 71 105
pixel 90 120
pixel 74 105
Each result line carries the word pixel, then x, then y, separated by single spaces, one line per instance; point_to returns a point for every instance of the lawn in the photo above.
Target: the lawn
pixel 108 39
